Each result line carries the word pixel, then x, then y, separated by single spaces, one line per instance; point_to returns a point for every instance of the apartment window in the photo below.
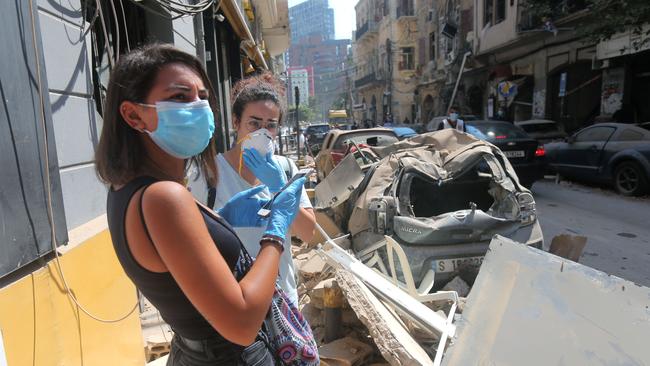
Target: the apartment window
pixel 407 61
pixel 494 11
pixel 386 7
pixel 432 46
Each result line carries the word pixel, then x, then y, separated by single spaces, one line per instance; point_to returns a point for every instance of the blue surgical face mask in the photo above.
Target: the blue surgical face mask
pixel 184 129
pixel 453 116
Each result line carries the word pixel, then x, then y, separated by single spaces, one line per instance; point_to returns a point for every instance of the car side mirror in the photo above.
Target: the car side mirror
pixel 571 139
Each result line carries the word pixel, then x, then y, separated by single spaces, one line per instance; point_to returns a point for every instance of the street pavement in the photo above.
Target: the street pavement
pixel 617 227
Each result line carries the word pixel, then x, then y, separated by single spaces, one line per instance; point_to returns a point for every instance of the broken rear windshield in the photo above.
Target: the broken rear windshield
pixel 496 131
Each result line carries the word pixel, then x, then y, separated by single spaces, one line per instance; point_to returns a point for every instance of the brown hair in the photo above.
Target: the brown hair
pixel 120 155
pixel 264 86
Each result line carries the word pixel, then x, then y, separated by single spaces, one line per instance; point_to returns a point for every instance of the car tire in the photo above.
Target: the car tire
pixel 630 179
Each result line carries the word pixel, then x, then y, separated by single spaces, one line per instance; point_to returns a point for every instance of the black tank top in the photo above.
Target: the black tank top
pixel 161 288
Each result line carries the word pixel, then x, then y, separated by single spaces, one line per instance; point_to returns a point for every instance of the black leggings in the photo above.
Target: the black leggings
pixel 185 352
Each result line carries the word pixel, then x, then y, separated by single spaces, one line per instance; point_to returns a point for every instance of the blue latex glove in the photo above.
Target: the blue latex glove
pixel 284 209
pixel 241 209
pixel 265 169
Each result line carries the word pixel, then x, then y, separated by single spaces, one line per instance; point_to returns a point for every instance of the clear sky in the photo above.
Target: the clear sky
pixel 345 19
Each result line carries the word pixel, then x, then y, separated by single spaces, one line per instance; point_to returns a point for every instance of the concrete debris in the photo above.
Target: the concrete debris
pixel 345 352
pixel 568 246
pixel 393 340
pixel 312 266
pixel 458 285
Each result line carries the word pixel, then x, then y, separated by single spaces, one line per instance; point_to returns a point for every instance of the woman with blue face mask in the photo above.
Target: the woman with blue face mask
pixel 182 256
pixel 257 113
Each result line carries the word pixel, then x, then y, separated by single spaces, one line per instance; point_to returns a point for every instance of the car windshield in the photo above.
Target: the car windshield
pixel 540 128
pixel 367 139
pixel 495 131
pixel 318 129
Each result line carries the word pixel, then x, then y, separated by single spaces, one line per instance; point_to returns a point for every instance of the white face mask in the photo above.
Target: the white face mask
pixel 260 140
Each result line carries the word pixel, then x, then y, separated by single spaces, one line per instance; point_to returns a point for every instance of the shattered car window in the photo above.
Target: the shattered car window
pixel 366 139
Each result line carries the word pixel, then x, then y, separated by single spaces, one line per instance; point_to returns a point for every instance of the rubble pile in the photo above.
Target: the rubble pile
pixel 370 333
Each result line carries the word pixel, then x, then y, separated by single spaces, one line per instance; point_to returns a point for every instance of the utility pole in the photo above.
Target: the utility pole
pixel 296 92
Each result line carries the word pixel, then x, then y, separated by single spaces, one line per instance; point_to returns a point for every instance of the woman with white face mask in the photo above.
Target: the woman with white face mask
pixel 257 113
pixel 185 259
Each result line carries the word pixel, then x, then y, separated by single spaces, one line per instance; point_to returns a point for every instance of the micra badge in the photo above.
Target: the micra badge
pixel 413 230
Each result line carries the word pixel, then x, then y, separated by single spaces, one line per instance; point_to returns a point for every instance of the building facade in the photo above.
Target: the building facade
pixel 313 45
pixel 303 79
pixel 491 56
pixel 312 17
pixel 384 56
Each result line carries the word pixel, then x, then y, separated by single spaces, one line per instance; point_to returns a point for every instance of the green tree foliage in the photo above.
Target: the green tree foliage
pixel 603 18
pixel 304 114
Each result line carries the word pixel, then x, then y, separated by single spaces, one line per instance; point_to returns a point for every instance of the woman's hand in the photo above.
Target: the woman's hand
pixel 284 209
pixel 265 169
pixel 241 209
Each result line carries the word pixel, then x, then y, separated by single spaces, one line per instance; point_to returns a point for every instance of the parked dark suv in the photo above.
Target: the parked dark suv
pixel 315 134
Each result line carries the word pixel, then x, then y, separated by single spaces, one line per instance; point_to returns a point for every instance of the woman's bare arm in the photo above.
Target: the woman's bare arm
pixel 235 309
pixel 304 224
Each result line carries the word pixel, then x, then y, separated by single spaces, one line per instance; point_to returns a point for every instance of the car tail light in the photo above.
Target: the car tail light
pixel 540 151
pixel 527 208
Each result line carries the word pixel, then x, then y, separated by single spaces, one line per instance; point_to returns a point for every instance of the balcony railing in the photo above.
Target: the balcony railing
pixel 367 28
pixel 560 9
pixel 368 79
pixel 362 30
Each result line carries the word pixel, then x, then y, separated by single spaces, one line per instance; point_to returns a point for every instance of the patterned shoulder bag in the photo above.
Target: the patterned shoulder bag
pixel 289 336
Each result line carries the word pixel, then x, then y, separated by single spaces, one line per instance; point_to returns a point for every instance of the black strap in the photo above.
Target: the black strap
pixel 212 196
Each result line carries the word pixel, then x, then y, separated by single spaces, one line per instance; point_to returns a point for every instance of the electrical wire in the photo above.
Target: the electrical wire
pixel 84 32
pixel 48 182
pixel 106 40
pixel 117 30
pixel 126 28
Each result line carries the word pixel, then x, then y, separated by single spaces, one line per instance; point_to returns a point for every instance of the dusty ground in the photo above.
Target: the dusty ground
pixel 617 227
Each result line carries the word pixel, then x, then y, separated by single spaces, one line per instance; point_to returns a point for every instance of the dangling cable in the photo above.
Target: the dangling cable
pixel 48 189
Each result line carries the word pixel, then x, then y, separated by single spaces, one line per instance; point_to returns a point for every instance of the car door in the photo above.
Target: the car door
pixel 583 153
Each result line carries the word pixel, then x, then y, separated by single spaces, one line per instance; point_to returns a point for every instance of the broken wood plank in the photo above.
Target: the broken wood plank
pixel 568 246
pixel 393 340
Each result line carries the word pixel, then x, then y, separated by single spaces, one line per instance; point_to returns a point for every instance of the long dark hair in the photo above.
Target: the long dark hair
pixel 120 155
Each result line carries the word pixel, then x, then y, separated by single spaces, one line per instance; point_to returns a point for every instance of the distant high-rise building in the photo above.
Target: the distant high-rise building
pixel 313 45
pixel 311 17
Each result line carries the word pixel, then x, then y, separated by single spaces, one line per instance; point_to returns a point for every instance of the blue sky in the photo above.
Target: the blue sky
pixel 345 18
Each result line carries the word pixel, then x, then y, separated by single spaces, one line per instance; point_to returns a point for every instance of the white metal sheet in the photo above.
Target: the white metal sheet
pixel 529 307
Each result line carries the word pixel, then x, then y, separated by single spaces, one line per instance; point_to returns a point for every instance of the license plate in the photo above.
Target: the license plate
pixel 452 265
pixel 515 154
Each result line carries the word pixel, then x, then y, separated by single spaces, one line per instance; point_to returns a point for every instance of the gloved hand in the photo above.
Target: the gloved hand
pixel 241 209
pixel 265 169
pixel 284 209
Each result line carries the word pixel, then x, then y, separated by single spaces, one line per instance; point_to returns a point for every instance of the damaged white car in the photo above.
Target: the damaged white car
pixel 441 196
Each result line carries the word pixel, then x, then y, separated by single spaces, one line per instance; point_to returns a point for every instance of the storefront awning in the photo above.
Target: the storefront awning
pixel 236 19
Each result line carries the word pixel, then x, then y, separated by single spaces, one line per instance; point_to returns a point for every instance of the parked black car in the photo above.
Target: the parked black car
pixel 315 134
pixel 524 152
pixel 612 153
